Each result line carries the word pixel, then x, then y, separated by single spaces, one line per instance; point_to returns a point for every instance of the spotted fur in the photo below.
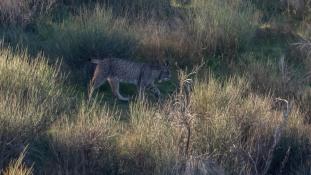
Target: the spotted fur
pixel 116 70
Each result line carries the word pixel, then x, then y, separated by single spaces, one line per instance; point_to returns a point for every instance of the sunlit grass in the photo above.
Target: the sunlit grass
pixel 209 124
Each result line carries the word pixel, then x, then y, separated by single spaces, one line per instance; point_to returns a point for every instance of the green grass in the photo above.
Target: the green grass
pixel 71 135
pixel 223 27
pixel 229 123
pixel 88 138
pixel 31 99
pixel 198 32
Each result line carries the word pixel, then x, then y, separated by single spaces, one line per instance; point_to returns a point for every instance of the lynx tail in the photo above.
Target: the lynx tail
pixel 96 61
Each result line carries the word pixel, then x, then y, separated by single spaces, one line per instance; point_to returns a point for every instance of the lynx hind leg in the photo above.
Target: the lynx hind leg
pixel 114 84
pixel 100 76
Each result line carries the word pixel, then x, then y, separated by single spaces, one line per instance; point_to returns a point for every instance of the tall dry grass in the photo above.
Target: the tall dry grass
pixel 300 52
pixel 208 127
pixel 222 127
pixel 16 12
pixel 90 33
pixel 85 141
pixel 148 145
pixel 221 26
pixel 203 29
pixel 18 167
pixel 160 9
pixel 237 128
pixel 31 99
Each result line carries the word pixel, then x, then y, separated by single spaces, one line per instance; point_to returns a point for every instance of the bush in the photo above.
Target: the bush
pixel 91 33
pixel 200 30
pixel 232 121
pixel 18 167
pixel 223 124
pixel 22 13
pixel 31 98
pixel 221 26
pixel 141 8
pixel 148 145
pixel 84 142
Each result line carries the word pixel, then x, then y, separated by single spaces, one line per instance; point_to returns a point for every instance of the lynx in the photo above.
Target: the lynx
pixel 116 70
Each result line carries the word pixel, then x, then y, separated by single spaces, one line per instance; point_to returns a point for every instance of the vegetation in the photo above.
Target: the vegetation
pixel 238 103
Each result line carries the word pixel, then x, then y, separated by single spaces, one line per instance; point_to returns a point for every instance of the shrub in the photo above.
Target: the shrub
pixel 148 145
pixel 31 98
pixel 221 26
pixel 224 123
pixel 141 8
pixel 84 142
pixel 17 167
pixel 200 30
pixel 91 33
pixel 16 12
pixel 232 121
pixel 284 79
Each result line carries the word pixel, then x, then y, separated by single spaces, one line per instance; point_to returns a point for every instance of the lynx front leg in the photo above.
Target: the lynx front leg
pixel 154 89
pixel 94 84
pixel 114 84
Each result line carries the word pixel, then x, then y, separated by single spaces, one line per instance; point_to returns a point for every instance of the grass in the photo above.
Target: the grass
pixel 221 118
pixel 223 26
pixel 17 167
pixel 252 124
pixel 24 12
pixel 107 36
pixel 141 8
pixel 225 120
pixel 88 139
pixel 31 99
pixel 192 35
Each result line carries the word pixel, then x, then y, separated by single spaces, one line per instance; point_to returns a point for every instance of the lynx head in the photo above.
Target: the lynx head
pixel 165 73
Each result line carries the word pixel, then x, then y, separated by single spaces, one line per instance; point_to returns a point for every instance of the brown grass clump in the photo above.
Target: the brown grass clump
pixel 202 28
pixel 254 124
pixel 17 167
pixel 31 99
pixel 85 142
pixel 214 123
pixel 148 144
pixel 217 26
pixel 228 122
pixel 217 128
pixel 208 126
pixel 16 12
